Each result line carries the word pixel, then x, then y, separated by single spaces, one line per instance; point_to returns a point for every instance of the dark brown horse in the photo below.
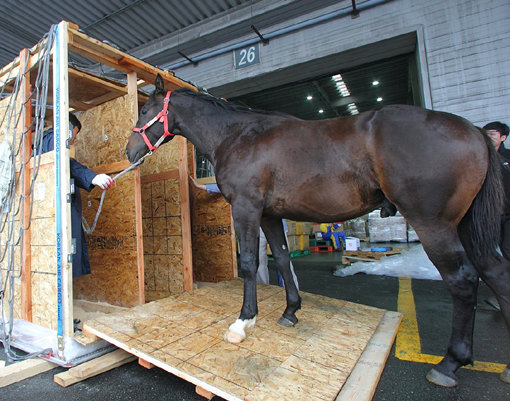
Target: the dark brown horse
pixel 439 170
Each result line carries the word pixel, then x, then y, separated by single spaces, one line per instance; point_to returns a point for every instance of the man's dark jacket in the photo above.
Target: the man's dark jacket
pixel 505 170
pixel 83 177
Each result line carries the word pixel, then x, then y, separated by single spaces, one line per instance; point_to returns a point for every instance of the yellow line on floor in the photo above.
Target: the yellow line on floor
pixel 408 344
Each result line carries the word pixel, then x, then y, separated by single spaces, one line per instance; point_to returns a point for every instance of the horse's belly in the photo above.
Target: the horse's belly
pixel 319 205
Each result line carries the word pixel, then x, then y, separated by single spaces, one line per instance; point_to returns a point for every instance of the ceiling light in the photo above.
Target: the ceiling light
pixel 321 111
pixel 379 99
pixel 340 85
pixel 353 109
pixel 375 83
pixel 309 97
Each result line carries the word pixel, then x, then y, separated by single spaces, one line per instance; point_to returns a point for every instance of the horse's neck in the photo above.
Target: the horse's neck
pixel 209 133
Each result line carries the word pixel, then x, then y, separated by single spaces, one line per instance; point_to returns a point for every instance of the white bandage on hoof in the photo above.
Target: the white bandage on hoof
pixel 236 333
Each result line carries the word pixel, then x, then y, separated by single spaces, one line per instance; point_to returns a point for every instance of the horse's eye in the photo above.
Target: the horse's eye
pixel 144 111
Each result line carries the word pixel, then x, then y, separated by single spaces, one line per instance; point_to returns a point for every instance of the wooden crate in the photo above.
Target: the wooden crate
pixel 141 248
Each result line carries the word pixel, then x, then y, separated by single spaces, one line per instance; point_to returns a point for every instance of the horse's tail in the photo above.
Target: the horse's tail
pixel 484 216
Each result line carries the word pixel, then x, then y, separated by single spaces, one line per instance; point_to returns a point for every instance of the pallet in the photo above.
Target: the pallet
pixel 313 360
pixel 320 249
pixel 366 256
pixel 320 242
pixel 293 254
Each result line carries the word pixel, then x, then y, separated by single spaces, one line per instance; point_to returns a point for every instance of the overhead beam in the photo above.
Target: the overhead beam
pixel 108 55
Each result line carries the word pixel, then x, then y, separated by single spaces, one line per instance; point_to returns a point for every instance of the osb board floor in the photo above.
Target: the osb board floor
pixel 184 336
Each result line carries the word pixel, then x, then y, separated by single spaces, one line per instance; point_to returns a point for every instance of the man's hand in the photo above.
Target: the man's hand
pixel 196 184
pixel 103 181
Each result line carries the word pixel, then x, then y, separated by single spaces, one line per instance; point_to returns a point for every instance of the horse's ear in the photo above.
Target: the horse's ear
pixel 159 84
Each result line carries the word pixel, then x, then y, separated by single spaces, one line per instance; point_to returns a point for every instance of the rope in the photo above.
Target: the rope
pixel 89 230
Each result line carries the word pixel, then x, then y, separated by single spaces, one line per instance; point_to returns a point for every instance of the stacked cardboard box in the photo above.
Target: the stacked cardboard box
pixel 298 235
pixel 388 229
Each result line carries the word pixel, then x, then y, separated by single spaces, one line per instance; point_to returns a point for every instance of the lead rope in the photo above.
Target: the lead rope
pixel 89 230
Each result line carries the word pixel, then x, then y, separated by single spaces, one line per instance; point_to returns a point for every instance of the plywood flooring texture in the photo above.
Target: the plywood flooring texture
pixel 184 336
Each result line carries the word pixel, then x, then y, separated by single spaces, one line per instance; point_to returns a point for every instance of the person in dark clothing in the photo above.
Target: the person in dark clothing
pixel 498 132
pixel 83 178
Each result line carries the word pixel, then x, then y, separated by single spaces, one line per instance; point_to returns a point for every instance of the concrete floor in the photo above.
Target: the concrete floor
pixel 401 380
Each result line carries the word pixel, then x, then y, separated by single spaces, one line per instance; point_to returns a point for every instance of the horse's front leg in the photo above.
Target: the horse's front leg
pixel 248 235
pixel 273 229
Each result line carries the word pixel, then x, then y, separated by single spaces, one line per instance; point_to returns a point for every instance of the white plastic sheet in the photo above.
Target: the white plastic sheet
pixel 413 263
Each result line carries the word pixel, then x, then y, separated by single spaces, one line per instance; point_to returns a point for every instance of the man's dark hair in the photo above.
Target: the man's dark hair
pixel 497 126
pixel 76 123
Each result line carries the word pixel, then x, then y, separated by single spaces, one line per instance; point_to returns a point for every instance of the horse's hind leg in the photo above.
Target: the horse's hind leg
pixel 445 250
pixel 273 228
pixel 495 272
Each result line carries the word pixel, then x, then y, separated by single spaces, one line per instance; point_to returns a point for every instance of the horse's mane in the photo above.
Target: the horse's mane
pixel 229 106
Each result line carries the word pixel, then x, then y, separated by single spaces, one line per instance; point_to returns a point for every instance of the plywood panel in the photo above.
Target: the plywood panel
pixel 165 158
pixel 44 299
pixel 112 246
pixel 212 238
pixel 43 249
pixel 162 238
pixel 184 336
pixel 105 131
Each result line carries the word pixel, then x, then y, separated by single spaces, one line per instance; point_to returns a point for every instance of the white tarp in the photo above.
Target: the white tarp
pixel 412 262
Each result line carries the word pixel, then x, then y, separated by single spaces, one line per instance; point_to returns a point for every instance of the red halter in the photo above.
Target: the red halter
pixel 162 116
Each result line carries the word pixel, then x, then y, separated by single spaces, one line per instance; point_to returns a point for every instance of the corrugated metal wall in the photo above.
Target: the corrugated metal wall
pixel 465 43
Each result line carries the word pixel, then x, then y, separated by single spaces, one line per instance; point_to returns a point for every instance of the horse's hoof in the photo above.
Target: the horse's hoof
pixel 441 379
pixel 283 321
pixel 505 375
pixel 234 337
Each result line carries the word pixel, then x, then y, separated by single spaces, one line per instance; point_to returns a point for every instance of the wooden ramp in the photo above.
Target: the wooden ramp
pixel 314 360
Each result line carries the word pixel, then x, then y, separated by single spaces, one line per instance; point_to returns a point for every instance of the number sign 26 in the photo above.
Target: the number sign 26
pixel 246 56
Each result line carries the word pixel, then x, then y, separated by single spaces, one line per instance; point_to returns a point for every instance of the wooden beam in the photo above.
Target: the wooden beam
pixel 204 393
pixel 9 72
pixel 139 237
pixel 365 375
pixel 166 175
pixel 111 168
pixel 26 265
pixel 187 259
pixel 23 370
pixel 145 364
pixel 93 367
pixel 132 95
pixel 105 54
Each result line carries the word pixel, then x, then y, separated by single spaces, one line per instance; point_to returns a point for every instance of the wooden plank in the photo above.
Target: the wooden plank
pixel 93 367
pixel 363 380
pixel 23 370
pixel 85 338
pixel 132 95
pixel 139 237
pixel 98 51
pixel 204 393
pixel 111 168
pixel 166 175
pixel 185 214
pixel 145 364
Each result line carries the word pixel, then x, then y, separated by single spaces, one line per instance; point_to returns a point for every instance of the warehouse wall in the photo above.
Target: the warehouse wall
pixel 464 46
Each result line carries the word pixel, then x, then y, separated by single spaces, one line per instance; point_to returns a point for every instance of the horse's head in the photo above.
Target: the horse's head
pixel 154 124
